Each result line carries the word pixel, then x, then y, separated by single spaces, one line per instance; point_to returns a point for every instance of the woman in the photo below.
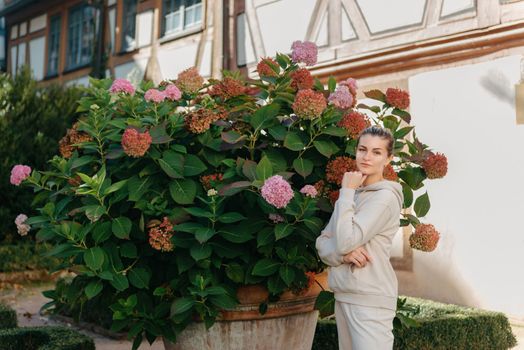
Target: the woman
pixel 356 244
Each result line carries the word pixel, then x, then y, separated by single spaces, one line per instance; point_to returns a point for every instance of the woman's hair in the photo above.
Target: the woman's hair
pixel 381 132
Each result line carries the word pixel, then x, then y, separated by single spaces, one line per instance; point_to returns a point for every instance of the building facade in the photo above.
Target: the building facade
pixel 461 61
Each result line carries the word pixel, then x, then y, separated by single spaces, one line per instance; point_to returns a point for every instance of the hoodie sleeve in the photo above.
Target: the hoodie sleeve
pixel 327 246
pixel 355 229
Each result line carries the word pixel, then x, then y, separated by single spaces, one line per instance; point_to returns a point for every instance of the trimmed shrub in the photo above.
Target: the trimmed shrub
pixel 25 256
pixel 32 121
pixel 7 317
pixel 44 338
pixel 442 327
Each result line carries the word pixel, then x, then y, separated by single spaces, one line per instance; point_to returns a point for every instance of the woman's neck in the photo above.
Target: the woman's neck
pixel 372 179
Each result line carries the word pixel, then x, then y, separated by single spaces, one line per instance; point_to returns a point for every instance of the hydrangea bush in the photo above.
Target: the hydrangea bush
pixel 171 197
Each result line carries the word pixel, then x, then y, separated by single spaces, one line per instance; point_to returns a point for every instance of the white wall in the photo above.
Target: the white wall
pixel 468 113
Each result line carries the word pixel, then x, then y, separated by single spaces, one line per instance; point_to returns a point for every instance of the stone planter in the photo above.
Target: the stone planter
pixel 288 324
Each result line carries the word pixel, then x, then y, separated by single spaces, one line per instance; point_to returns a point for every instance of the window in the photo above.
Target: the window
pixel 179 15
pixel 53 54
pixel 81 36
pixel 129 25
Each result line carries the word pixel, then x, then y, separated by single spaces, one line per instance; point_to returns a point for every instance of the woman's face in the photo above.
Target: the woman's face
pixel 372 155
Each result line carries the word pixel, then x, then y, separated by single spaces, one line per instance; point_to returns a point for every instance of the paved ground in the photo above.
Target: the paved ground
pixel 27 300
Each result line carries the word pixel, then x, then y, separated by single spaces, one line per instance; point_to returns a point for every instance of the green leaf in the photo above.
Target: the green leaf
pixel 159 291
pixel 332 84
pixel 326 148
pixel 137 187
pixel 265 267
pixel 283 230
pixel 391 123
pixel 94 212
pixel 422 205
pixel 303 166
pixel 128 250
pixel 93 289
pixel 139 277
pixel 235 234
pixel 265 115
pixel 121 227
pixel 375 95
pixel 264 169
pixel 201 252
pixel 335 131
pixel 294 142
pixel 183 191
pixel 102 232
pixel 204 234
pixel 315 224
pixel 115 187
pixel 172 163
pixel 401 133
pixel 235 272
pixel 408 195
pixel 413 177
pixel 94 258
pixel 405 116
pixel 223 301
pixel 230 217
pixel 193 165
pixel 287 274
pixel 120 282
pixel 198 212
pixel 278 132
pixel 325 303
pixel 181 305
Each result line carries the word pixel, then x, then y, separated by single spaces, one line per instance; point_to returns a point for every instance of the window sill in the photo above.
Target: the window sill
pixel 73 69
pixel 181 34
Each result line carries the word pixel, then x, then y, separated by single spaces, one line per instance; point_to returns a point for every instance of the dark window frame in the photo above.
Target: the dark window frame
pixel 55 26
pixel 80 54
pixel 129 13
pixel 183 7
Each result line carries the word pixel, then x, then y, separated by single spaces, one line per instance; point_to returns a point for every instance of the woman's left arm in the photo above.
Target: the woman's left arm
pixel 355 229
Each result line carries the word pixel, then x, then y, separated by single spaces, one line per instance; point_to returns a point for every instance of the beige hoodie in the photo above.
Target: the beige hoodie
pixel 368 216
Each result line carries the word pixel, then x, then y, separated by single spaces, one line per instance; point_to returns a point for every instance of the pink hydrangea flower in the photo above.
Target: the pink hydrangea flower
pixel 277 191
pixel 19 173
pixel 154 95
pixel 172 92
pixel 309 190
pixel 276 218
pixel 341 97
pixel 21 226
pixel 351 84
pixel 122 85
pixel 136 144
pixel 304 52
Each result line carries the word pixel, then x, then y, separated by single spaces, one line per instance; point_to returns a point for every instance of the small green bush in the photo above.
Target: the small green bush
pixel 25 256
pixel 44 338
pixel 442 327
pixel 7 317
pixel 32 121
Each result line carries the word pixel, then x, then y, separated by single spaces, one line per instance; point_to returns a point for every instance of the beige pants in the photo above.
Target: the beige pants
pixel 364 327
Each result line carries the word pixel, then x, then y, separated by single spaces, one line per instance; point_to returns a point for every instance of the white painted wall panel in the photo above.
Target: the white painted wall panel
pixel 37 56
pixel 174 60
pixel 468 113
pixel 392 14
pixel 38 23
pixel 145 28
pixel 205 66
pixel 134 71
pixel 282 22
pixel 245 50
pixel 450 7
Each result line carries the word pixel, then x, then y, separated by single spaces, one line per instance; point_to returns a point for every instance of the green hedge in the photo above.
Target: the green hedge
pixel 25 256
pixel 442 327
pixel 44 338
pixel 7 317
pixel 32 121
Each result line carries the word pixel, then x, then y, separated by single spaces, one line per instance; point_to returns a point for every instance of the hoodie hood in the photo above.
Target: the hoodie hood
pixel 392 186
